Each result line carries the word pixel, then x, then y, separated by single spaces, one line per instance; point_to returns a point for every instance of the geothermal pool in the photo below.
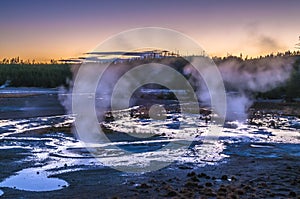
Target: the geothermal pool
pixel 52 152
pixel 48 145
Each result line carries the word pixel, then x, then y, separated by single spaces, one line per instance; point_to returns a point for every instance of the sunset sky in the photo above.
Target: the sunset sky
pixel 44 30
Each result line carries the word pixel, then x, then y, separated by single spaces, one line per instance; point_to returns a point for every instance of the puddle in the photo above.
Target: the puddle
pixel 263 150
pixel 1 192
pixel 261 146
pixel 33 179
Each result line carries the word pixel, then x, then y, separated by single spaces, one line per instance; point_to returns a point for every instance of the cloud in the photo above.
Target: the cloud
pixel 268 43
pixel 260 41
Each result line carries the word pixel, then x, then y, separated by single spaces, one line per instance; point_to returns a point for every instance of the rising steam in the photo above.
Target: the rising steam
pixel 243 78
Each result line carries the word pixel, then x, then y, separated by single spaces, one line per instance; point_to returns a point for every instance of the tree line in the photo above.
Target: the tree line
pixel 54 75
pixel 35 75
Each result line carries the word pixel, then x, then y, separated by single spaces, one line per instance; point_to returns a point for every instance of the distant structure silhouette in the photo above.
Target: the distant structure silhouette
pixel 120 56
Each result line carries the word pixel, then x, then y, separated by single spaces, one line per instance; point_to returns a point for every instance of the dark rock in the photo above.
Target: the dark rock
pixel 207 190
pixel 208 184
pixel 292 194
pixel 172 194
pixel 211 194
pixel 224 177
pixel 233 196
pixel 131 183
pixel 191 184
pixel 272 194
pixel 248 187
pixel 144 186
pixel 195 179
pixel 222 189
pixel 153 181
pixel 240 192
pixel 221 195
pixel 191 174
pixel 200 186
pixel 202 175
pixel 263 184
pixel 230 188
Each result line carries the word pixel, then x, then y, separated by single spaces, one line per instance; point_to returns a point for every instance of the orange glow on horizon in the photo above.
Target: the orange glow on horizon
pixel 70 45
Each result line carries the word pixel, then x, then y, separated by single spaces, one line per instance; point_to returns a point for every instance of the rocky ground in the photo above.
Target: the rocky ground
pixel 239 177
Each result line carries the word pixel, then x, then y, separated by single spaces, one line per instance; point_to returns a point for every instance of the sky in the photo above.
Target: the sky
pixel 56 29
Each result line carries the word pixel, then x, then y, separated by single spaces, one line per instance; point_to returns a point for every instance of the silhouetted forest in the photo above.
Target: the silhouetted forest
pixel 35 75
pixel 54 74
